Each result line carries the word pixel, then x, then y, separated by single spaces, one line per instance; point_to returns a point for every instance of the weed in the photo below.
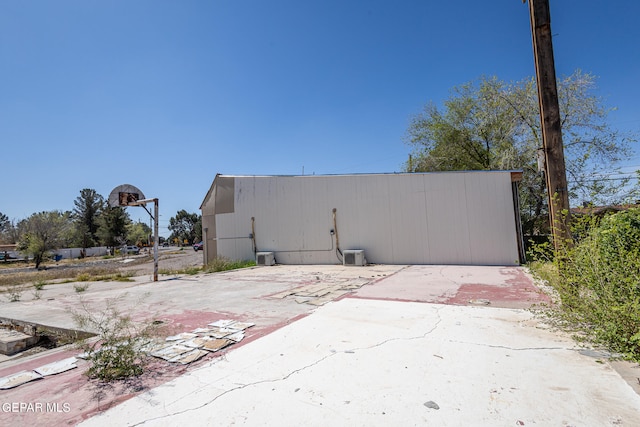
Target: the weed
pixel 117 353
pixel 81 288
pixel 117 277
pixel 192 270
pixel 14 293
pixel 83 277
pixel 39 285
pixel 597 282
pixel 225 264
pixel 37 294
pixel 67 274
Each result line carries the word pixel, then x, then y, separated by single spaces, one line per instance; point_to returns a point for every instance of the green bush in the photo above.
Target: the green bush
pixel 597 281
pixel 117 353
pixel 40 284
pixel 81 288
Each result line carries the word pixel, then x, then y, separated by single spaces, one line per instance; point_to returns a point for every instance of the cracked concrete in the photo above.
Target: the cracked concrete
pixel 408 347
pixel 371 362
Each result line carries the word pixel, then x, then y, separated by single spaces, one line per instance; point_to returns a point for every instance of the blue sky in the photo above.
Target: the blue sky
pixel 165 94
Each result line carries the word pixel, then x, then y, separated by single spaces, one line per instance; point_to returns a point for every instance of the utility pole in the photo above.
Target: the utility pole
pixel 554 166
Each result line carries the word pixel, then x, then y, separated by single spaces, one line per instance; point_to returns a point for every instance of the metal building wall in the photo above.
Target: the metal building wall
pixel 434 218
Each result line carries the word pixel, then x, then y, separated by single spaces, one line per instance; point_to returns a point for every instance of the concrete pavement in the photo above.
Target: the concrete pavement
pixel 395 345
pixel 366 362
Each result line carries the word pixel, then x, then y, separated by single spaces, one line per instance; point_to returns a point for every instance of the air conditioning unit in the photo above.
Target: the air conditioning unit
pixel 265 258
pixel 354 257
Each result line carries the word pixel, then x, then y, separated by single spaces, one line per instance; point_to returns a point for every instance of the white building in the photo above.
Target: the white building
pixel 411 218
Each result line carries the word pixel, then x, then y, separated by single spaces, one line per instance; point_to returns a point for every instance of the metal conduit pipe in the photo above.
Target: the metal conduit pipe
pixel 253 235
pixel 335 229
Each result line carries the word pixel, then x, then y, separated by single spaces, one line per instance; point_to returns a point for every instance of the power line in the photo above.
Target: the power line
pixel 601 179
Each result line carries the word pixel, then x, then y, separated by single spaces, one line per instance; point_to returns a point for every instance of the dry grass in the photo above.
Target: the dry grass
pixel 59 274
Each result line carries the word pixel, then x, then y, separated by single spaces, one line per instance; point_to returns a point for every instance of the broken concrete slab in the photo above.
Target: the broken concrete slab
pixel 171 351
pixel 241 326
pixel 181 336
pixel 197 342
pixel 188 357
pixel 222 323
pixel 188 347
pixel 17 379
pixel 217 344
pixel 236 337
pixel 57 367
pixel 12 342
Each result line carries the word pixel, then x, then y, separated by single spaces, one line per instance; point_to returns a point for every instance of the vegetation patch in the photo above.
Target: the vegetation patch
pixel 189 271
pixel 217 265
pixel 104 277
pixel 596 282
pixel 81 288
pixel 13 293
pixel 40 284
pixel 66 275
pixel 116 277
pixel 117 352
pixel 83 277
pixel 224 264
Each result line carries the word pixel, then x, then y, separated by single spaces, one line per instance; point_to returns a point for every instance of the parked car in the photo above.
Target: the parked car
pixel 5 256
pixel 132 250
pixel 197 246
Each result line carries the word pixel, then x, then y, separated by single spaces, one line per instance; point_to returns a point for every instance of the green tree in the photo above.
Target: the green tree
pixel 7 233
pixel 4 222
pixel 87 208
pixel 490 124
pixel 43 232
pixel 186 226
pixel 198 230
pixel 138 233
pixel 112 226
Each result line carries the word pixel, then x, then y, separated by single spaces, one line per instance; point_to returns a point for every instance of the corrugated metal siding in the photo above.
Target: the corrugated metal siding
pixel 292 217
pixel 492 232
pixel 439 218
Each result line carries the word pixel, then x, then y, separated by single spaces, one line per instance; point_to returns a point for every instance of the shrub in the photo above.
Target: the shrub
pixel 117 353
pixel 81 288
pixel 14 293
pixel 598 282
pixel 39 285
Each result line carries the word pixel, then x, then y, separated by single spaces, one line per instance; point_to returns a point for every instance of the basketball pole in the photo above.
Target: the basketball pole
pixel 156 238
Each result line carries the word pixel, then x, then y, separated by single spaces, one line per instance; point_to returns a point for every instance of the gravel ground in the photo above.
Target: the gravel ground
pixel 168 259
